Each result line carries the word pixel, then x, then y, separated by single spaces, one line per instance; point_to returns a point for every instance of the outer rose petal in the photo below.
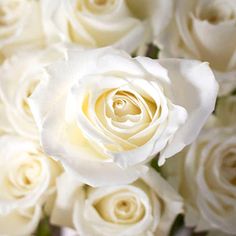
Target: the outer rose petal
pixel 186 80
pixel 131 24
pixel 16 224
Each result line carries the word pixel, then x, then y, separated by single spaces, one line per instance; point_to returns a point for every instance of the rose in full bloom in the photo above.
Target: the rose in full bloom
pixel 27 179
pixel 205 30
pixel 20 25
pixel 205 175
pixel 126 24
pixel 146 207
pixel 105 114
pixel 20 75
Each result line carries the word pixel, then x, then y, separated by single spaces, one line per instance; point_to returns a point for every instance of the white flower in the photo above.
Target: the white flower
pixel 205 30
pixel 123 23
pixel 205 176
pixel 20 74
pixel 105 114
pixel 27 179
pixel 20 25
pixel 22 222
pixel 146 207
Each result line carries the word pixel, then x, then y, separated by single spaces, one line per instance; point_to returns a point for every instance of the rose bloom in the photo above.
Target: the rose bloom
pixel 20 25
pixel 105 114
pixel 205 175
pixel 146 207
pixel 126 24
pixel 205 30
pixel 20 74
pixel 27 180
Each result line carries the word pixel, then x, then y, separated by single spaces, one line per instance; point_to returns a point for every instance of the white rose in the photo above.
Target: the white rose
pixel 146 207
pixel 27 179
pixel 123 23
pixel 105 114
pixel 205 30
pixel 20 74
pixel 22 222
pixel 205 176
pixel 20 25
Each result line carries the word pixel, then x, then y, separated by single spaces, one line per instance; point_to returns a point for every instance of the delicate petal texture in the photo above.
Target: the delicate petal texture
pixel 188 81
pixel 101 111
pixel 204 30
pixel 126 24
pixel 26 173
pixel 146 207
pixel 22 222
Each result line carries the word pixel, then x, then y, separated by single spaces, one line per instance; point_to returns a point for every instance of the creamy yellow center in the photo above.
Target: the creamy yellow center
pixel 122 207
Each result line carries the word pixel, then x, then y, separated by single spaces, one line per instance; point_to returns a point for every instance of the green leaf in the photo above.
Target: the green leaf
pixel 44 228
pixel 154 164
pixel 153 51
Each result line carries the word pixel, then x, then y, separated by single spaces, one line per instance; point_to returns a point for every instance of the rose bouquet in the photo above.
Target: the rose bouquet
pixel 117 117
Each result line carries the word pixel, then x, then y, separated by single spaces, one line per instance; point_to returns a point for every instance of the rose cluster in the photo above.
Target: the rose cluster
pixel 117 117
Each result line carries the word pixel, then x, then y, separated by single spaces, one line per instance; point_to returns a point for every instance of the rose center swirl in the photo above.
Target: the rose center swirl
pixel 25 176
pixel 122 207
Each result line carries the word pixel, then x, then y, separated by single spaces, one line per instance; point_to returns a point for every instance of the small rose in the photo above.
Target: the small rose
pixel 205 30
pixel 146 207
pixel 27 179
pixel 205 176
pixel 20 25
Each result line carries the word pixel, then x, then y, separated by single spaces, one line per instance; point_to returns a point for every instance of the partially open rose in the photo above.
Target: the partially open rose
pixel 20 25
pixel 105 114
pixel 205 176
pixel 27 179
pixel 20 75
pixel 123 23
pixel 146 207
pixel 22 221
pixel 205 30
